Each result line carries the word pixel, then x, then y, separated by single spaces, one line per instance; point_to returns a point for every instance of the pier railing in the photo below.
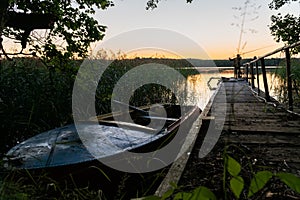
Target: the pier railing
pixel 249 70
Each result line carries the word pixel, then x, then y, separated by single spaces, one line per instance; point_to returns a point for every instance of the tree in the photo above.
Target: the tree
pixel 285 28
pixel 276 4
pixel 152 4
pixel 69 21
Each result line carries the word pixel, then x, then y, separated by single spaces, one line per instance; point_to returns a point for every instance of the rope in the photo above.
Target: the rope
pixel 277 106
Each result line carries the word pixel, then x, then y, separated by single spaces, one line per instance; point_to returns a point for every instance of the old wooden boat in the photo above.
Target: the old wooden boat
pixel 63 147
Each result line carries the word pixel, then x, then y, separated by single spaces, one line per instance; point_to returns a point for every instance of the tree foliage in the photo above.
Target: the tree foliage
pixel 152 4
pixel 72 31
pixel 285 28
pixel 72 28
pixel 276 4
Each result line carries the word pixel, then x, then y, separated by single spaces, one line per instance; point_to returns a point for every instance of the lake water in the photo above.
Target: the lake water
pixel 198 86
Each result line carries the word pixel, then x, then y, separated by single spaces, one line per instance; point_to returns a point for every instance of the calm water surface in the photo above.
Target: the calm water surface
pixel 199 93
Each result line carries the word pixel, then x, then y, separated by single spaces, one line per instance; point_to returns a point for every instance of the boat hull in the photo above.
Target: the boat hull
pixel 101 140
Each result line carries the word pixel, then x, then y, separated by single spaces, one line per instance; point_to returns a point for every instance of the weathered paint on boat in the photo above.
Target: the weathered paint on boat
pixel 63 146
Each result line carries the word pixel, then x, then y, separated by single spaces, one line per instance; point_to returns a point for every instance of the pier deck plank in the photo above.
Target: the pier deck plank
pixel 245 111
pixel 268 130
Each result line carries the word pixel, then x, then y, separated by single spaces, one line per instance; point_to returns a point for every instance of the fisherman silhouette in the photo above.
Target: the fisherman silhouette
pixel 237 66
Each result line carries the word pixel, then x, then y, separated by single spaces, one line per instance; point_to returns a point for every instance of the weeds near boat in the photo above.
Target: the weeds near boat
pixel 24 185
pixel 35 98
pixel 239 181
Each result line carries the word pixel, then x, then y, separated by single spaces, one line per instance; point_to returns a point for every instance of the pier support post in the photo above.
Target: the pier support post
pixel 263 70
pixel 289 78
pixel 247 72
pixel 252 76
pixel 257 77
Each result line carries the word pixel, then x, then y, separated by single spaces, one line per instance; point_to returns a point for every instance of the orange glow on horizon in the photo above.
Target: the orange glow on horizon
pixel 152 53
pixel 214 52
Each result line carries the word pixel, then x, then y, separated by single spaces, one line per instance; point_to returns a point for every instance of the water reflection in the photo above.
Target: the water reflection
pixel 273 83
pixel 198 92
pixel 199 87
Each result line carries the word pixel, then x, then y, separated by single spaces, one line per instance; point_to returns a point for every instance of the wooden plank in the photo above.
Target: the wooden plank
pixel 263 139
pixel 178 166
pixel 246 112
pixel 263 129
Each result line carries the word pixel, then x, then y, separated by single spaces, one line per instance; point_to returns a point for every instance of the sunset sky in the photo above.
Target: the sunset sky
pixel 211 24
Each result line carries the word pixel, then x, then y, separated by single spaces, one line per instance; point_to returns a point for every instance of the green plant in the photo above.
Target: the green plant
pixel 257 182
pixel 201 192
pixel 145 95
pixel 236 180
pixel 20 185
pixel 33 99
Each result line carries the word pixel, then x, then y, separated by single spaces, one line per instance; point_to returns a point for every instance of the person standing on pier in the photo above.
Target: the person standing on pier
pixel 237 66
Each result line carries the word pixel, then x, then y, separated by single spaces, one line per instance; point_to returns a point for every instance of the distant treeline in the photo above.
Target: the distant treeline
pixel 228 63
pixel 190 62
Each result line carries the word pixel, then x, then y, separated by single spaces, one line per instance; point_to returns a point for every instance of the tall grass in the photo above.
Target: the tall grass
pixel 35 97
pixel 27 186
pixel 281 89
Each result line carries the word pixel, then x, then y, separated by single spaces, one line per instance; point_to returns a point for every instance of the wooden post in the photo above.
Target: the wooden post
pixel 257 77
pixel 263 70
pixel 252 76
pixel 289 78
pixel 238 59
pixel 247 72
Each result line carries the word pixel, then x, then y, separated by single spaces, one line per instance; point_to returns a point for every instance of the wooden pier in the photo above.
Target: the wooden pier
pixel 267 134
pixel 248 112
pixel 250 120
pixel 271 133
